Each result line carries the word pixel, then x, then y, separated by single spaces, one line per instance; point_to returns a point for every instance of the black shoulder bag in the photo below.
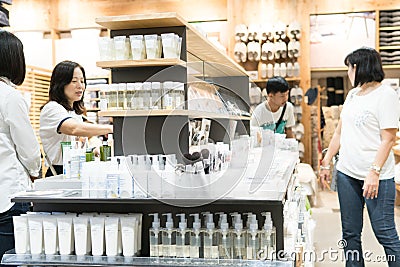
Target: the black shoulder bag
pixel 280 118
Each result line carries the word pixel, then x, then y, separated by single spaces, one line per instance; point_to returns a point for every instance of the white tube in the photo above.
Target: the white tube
pixel 35 233
pixel 50 234
pixel 111 234
pixel 21 234
pixel 97 235
pixel 129 238
pixel 65 235
pixel 82 235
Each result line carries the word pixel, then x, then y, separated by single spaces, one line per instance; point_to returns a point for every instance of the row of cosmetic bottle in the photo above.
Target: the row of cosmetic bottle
pixel 142 96
pixel 77 151
pixel 93 234
pixel 138 47
pixel 213 242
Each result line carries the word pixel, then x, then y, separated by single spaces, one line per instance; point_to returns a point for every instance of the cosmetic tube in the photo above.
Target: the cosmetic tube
pixel 129 235
pixel 82 230
pixel 50 234
pixel 97 235
pixel 35 223
pixel 111 235
pixel 21 234
pixel 65 234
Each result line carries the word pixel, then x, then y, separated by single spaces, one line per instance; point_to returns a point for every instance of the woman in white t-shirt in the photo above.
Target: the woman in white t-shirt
pixel 364 138
pixel 61 117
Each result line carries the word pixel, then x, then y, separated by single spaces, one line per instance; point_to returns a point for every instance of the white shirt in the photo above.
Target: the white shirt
pixel 51 118
pixel 19 148
pixel 362 119
pixel 263 117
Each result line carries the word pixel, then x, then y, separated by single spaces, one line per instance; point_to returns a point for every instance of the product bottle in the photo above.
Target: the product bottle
pixel 147 99
pixel 225 239
pixel 182 238
pixel 130 94
pixel 139 97
pixel 239 238
pixel 179 93
pixel 195 238
pixel 122 102
pixel 155 237
pixel 253 238
pixel 168 237
pixel 113 96
pixel 105 152
pixel 167 98
pixel 267 237
pixel 156 95
pixel 210 238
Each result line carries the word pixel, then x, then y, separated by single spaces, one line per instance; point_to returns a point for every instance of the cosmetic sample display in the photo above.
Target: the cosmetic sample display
pixel 196 250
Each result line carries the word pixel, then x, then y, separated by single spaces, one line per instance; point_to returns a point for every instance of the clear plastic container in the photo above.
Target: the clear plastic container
pixel 113 96
pixel 130 95
pixel 147 98
pixel 179 95
pixel 156 95
pixel 103 95
pixel 167 97
pixel 122 103
pixel 138 47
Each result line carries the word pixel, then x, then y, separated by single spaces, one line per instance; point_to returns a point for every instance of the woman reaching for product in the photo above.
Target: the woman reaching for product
pixel 364 138
pixel 61 117
pixel 19 149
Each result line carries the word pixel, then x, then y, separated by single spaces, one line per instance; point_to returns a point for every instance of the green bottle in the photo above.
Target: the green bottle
pixel 105 152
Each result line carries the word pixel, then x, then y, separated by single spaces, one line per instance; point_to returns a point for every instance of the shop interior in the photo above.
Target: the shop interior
pixel 226 52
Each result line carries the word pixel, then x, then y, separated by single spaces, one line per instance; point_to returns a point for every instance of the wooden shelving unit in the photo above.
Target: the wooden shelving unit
pixel 189 113
pixel 140 63
pixel 197 44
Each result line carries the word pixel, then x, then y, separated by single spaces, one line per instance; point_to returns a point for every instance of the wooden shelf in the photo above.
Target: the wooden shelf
pixel 176 112
pixel 140 63
pixel 394 28
pixel 197 44
pixel 289 79
pixel 328 69
pixel 394 66
pixel 389 47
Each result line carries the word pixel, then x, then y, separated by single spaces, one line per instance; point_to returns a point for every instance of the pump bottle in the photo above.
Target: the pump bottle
pixel 225 238
pixel 182 238
pixel 239 238
pixel 195 238
pixel 268 237
pixel 155 237
pixel 253 238
pixel 210 238
pixel 168 237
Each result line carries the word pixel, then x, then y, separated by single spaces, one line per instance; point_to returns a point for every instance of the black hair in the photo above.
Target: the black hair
pixel 368 65
pixel 62 75
pixel 277 84
pixel 12 59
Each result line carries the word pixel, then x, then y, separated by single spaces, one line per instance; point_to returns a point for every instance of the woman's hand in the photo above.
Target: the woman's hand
pixel 324 176
pixel 371 185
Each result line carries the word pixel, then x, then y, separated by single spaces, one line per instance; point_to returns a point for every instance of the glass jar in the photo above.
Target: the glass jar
pixel 103 96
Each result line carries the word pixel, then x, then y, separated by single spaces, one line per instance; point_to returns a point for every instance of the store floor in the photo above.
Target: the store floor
pixel 328 233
